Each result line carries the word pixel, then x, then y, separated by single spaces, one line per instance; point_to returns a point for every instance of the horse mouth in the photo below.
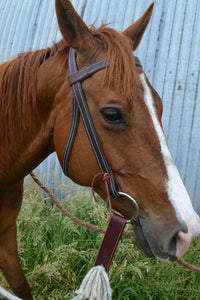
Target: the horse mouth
pixel 148 246
pixel 141 241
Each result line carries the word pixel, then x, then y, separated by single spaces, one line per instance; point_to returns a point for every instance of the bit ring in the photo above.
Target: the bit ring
pixel 134 201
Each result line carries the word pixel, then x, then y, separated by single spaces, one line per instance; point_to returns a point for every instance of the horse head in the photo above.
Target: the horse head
pixel 126 112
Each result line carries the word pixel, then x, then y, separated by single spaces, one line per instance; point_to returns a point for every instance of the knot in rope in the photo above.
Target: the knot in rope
pixel 106 180
pixel 106 177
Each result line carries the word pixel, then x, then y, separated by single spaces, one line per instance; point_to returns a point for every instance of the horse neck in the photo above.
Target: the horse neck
pixel 29 140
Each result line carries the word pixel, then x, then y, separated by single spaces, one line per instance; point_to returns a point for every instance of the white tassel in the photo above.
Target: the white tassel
pixel 95 286
pixel 7 295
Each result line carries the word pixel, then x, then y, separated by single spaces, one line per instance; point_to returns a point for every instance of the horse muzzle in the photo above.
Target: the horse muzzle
pixel 161 242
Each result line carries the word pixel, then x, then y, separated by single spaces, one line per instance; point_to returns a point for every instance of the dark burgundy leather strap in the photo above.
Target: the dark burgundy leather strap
pixel 86 72
pixel 110 241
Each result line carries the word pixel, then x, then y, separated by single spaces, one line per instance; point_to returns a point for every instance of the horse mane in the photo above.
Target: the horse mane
pixel 18 88
pixel 18 77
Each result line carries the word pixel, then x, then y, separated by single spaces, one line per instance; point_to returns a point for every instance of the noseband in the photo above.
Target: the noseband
pixel 80 107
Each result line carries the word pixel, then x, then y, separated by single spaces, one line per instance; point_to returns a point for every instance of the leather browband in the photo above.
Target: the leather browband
pixel 86 72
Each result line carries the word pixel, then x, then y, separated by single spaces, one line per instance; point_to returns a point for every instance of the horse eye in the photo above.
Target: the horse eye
pixel 113 115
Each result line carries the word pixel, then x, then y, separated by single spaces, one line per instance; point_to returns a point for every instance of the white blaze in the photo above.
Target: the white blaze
pixel 174 186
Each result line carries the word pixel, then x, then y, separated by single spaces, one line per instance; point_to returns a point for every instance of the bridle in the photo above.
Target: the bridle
pixel 80 107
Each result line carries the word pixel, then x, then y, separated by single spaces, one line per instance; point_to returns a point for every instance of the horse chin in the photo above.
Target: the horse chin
pixel 141 241
pixel 149 249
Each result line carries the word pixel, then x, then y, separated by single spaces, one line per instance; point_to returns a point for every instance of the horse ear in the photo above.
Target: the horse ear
pixel 137 29
pixel 74 31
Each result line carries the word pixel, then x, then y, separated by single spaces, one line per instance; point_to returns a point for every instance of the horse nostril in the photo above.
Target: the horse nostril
pixel 171 247
pixel 168 242
pixel 185 227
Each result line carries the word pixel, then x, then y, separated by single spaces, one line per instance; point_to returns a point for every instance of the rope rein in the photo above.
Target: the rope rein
pixel 9 296
pixel 95 228
pixel 68 214
pixel 106 181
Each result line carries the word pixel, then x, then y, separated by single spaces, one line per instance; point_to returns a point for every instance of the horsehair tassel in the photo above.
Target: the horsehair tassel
pixel 8 295
pixel 95 285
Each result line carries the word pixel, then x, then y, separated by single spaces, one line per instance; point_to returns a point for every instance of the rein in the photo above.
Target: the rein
pixel 68 214
pixel 112 235
pixel 80 107
pixel 95 228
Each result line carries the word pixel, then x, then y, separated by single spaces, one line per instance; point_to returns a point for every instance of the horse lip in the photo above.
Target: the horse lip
pixel 144 245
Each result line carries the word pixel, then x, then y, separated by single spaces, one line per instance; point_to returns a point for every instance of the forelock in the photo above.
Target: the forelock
pixel 121 72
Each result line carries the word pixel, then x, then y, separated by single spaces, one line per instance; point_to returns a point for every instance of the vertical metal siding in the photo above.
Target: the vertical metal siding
pixel 170 52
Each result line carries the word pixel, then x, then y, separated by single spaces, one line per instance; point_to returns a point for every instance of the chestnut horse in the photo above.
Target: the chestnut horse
pixel 36 114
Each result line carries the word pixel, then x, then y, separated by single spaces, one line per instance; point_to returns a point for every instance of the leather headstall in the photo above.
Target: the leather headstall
pixel 80 107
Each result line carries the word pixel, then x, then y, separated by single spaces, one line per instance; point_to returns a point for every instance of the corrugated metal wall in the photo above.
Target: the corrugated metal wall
pixel 169 51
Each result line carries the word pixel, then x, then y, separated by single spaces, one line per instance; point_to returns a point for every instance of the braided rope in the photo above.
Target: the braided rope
pixel 106 181
pixel 95 228
pixel 68 214
pixel 188 266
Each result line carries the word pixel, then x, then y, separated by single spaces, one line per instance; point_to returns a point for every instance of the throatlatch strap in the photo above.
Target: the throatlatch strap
pixel 110 241
pixel 138 62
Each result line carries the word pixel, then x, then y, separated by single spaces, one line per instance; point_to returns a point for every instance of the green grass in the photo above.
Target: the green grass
pixel 56 253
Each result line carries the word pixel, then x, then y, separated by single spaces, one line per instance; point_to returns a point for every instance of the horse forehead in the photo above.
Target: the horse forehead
pixel 102 93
